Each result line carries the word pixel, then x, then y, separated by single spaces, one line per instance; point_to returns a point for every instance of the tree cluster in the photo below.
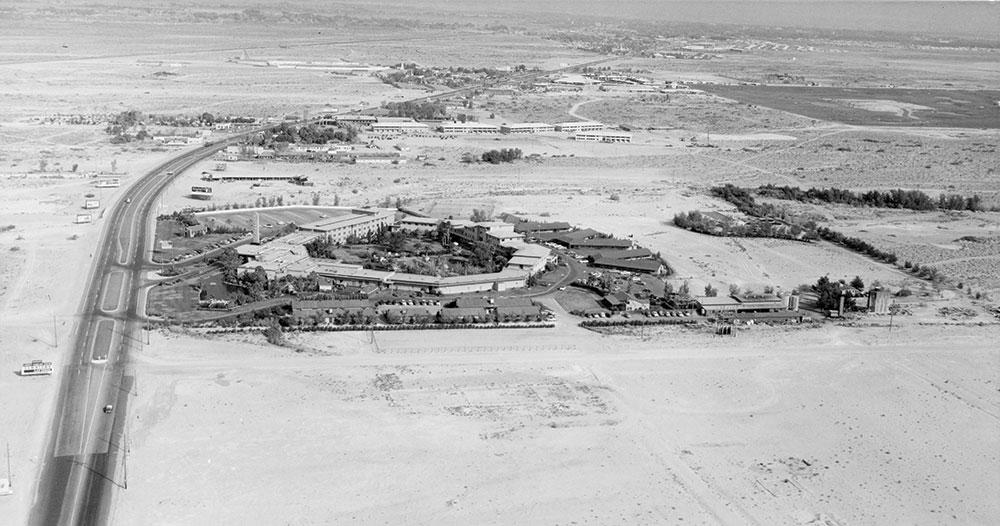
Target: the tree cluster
pixel 307 134
pixel 695 221
pixel 427 110
pixel 744 201
pixel 828 294
pixel 505 155
pixel 479 216
pixel 182 217
pixel 898 198
pixel 488 256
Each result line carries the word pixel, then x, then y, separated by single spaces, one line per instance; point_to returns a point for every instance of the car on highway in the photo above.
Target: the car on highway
pixel 108 408
pixel 128 200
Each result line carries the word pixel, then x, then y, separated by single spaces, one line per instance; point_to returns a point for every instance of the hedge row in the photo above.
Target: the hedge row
pixel 626 323
pixel 424 327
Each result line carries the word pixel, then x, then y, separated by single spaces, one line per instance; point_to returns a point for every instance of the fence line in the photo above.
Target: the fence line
pixel 477 349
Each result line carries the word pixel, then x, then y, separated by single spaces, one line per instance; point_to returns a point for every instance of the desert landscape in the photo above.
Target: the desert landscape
pixel 837 419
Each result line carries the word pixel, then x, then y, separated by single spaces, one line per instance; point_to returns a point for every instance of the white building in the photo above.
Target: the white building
pixel 467 127
pixel 528 127
pixel 579 126
pixel 604 136
pixel 399 126
pixel 353 222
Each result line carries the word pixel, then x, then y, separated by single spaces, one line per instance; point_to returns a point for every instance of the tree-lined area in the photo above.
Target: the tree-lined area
pixel 898 198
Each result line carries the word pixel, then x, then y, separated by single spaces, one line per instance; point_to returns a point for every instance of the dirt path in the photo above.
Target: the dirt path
pixel 573 111
pixel 746 163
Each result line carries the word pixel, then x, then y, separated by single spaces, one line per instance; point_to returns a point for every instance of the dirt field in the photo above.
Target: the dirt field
pixel 672 427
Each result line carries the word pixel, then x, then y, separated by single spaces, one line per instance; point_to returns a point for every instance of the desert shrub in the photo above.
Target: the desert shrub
pixel 273 334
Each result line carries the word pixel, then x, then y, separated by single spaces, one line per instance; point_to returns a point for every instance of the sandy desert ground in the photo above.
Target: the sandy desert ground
pixel 812 426
pixel 832 424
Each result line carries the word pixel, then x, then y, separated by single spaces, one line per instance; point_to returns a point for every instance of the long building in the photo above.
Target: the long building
pixel 604 136
pixel 399 126
pixel 528 127
pixel 467 127
pixel 356 222
pixel 357 119
pixel 579 126
pixel 740 303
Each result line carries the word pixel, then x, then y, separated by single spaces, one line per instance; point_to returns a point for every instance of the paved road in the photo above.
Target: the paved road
pixel 84 459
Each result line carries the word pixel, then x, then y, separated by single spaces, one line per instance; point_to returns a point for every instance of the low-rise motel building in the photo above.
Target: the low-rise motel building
pixel 467 127
pixel 287 255
pixel 587 126
pixel 528 127
pixel 398 125
pixel 604 136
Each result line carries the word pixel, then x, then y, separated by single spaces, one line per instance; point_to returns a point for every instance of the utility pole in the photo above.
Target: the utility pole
pixel 7 486
pixel 125 461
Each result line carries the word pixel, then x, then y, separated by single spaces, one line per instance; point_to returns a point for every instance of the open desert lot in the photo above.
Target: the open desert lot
pixel 292 405
pixel 808 427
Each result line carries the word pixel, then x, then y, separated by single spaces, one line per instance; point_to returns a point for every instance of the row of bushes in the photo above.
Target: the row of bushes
pixel 910 199
pixel 898 198
pixel 426 327
pixel 744 201
pixel 634 322
pixel 857 245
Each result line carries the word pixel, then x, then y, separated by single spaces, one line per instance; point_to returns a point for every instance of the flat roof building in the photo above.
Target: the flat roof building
pixel 604 136
pixel 646 266
pixel 531 227
pixel 741 304
pixel 601 242
pixel 357 119
pixel 359 222
pixel 579 126
pixel 528 127
pixel 418 223
pixel 467 127
pixel 408 125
